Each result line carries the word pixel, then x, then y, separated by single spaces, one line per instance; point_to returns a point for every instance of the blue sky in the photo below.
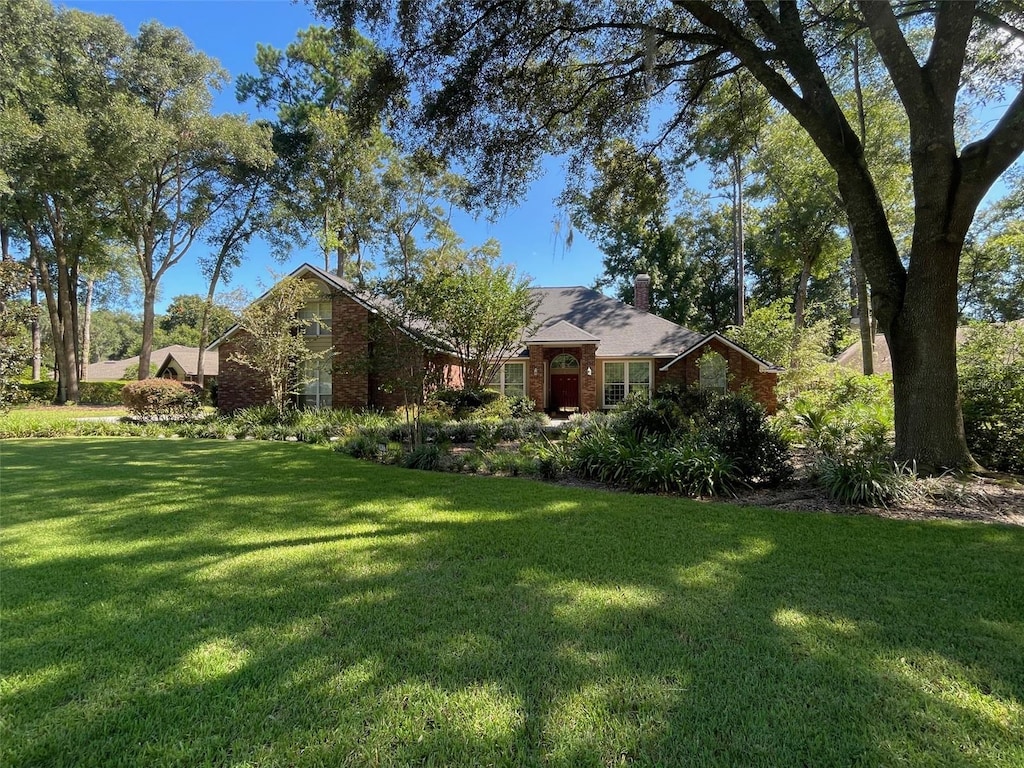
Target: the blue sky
pixel 228 30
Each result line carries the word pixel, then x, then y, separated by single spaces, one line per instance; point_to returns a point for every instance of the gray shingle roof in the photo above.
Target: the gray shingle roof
pixel 624 331
pixel 562 332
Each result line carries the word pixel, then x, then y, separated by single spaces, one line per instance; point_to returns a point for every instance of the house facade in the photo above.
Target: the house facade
pixel 590 352
pixel 585 352
pixel 364 361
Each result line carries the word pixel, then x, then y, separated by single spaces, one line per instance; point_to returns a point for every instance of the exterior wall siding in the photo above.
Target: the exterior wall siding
pixel 238 385
pixel 743 373
pixel 350 370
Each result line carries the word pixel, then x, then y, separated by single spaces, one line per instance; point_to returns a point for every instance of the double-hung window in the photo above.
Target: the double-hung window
pixel 317 315
pixel 510 379
pixel 316 383
pixel 620 379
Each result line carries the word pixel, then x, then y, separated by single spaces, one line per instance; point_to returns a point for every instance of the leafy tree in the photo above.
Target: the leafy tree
pixel 627 212
pixel 169 189
pixel 245 185
pixel 55 143
pixel 274 341
pixel 992 270
pixel 116 334
pixel 329 133
pixel 15 315
pixel 732 115
pixel 992 384
pixel 480 311
pixel 504 84
pixel 187 311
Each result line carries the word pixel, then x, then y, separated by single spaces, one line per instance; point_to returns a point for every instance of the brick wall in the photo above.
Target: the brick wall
pixel 742 373
pixel 350 372
pixel 239 386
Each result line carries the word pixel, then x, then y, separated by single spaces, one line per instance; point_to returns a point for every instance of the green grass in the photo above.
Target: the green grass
pixel 266 604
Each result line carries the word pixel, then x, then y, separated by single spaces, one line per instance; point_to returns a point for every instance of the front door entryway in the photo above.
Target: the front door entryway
pixel 565 391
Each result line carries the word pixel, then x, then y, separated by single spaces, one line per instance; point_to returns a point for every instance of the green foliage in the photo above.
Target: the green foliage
pixel 462 402
pixel 991 370
pixel 186 310
pixel 428 456
pixel 651 465
pixel 478 310
pixel 864 478
pixel 274 342
pixel 39 391
pixel 101 392
pixel 15 346
pixel 732 424
pixel 92 392
pixel 161 399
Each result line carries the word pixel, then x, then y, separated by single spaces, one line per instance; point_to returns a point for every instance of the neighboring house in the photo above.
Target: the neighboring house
pixel 587 352
pixel 853 358
pixel 116 370
pixel 182 363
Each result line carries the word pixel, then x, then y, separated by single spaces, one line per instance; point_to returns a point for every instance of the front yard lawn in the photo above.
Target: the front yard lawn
pixel 175 602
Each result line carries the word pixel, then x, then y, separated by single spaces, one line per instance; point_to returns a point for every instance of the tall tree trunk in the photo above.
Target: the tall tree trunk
pixel 737 239
pixel 864 315
pixel 148 324
pixel 61 325
pixel 35 326
pixel 204 320
pixel 83 370
pixel 922 342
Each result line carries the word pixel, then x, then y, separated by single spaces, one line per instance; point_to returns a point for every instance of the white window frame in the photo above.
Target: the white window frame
pixel 627 383
pixel 318 313
pixel 500 383
pixel 317 384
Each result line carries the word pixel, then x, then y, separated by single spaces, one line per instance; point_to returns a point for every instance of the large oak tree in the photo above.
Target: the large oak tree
pixel 503 83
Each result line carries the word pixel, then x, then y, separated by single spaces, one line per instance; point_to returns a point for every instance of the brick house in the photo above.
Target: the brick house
pixel 590 351
pixel 587 352
pixel 365 359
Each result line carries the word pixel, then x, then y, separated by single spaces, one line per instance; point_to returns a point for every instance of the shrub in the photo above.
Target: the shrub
pixel 733 424
pixel 991 370
pixel 463 401
pixel 865 479
pixel 509 463
pixel 259 416
pixel 739 429
pixel 160 398
pixel 102 392
pixel 40 391
pixel 363 445
pixel 428 456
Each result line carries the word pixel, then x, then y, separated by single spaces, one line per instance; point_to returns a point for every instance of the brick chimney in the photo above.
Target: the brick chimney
pixel 642 293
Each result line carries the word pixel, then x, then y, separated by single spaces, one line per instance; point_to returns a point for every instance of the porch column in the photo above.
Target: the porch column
pixel 535 377
pixel 588 378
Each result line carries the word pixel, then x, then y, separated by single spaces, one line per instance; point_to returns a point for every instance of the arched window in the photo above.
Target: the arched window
pixel 565 362
pixel 713 371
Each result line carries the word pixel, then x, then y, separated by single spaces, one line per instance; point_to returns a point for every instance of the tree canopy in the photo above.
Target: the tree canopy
pixel 503 84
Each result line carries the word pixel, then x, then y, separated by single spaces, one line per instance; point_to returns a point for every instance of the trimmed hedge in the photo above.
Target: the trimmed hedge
pixel 90 392
pixel 162 398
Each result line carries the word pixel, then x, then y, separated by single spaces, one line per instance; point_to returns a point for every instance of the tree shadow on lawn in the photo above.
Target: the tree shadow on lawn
pixel 369 615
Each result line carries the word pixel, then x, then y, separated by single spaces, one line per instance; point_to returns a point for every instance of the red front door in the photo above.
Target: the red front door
pixel 565 391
